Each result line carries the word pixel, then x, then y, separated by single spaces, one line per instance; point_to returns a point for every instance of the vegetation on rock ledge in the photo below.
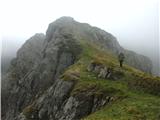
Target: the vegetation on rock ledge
pixel 135 91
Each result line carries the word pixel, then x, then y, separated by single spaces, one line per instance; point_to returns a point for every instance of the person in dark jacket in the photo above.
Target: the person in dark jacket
pixel 121 59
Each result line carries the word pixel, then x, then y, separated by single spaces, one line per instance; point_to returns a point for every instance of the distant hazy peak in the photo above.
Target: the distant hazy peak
pixel 65 18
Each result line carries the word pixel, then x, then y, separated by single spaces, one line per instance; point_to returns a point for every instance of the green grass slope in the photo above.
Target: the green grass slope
pixel 136 94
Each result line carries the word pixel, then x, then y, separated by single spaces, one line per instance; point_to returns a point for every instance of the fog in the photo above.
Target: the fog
pixel 135 23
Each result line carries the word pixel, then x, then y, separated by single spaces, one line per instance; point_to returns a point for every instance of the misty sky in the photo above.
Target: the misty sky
pixel 133 22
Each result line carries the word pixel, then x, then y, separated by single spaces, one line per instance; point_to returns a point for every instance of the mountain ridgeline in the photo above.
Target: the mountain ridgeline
pixel 63 75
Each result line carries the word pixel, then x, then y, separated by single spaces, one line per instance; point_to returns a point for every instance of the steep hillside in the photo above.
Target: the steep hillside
pixel 86 87
pixel 73 72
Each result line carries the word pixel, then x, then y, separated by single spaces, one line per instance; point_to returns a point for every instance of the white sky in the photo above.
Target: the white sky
pixel 133 22
pixel 26 17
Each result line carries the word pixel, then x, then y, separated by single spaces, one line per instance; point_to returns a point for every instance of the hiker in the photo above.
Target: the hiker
pixel 121 59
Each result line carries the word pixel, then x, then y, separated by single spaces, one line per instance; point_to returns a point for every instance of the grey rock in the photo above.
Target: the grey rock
pixel 97 69
pixel 90 67
pixel 103 72
pixel 33 77
pixel 37 74
pixel 56 103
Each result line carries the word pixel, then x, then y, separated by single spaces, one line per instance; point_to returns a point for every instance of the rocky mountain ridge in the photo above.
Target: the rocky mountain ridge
pixel 33 88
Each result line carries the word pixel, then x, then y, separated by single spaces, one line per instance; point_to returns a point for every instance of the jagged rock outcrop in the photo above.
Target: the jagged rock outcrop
pixel 33 78
pixel 28 56
pixel 105 72
pixel 57 103
pixel 27 79
pixel 106 41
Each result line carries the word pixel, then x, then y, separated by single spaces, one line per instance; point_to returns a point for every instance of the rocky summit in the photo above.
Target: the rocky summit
pixel 73 73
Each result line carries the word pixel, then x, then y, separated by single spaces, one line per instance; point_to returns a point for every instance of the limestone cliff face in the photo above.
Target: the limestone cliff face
pixel 40 62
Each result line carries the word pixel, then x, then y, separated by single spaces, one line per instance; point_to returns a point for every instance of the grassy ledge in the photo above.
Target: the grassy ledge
pixel 140 91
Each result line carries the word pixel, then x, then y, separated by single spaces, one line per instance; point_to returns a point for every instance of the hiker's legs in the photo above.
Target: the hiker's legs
pixel 121 63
